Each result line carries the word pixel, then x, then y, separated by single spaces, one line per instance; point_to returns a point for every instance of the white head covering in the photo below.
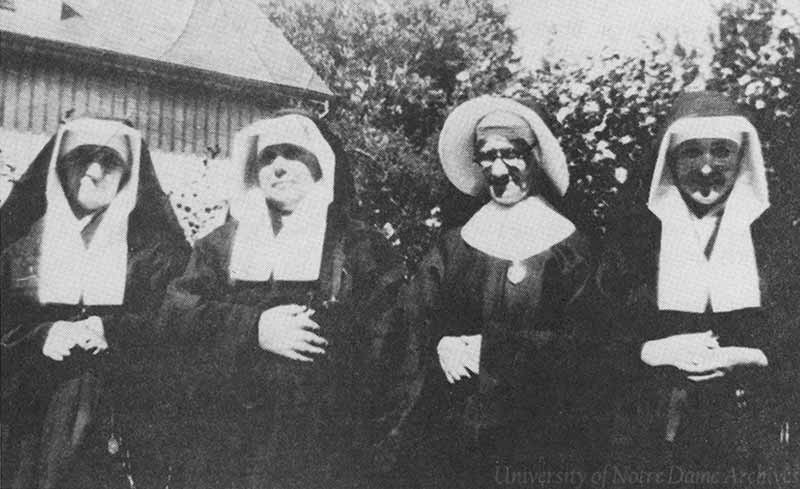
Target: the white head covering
pixel 457 143
pixel 508 232
pixel 728 279
pixel 71 272
pixel 295 254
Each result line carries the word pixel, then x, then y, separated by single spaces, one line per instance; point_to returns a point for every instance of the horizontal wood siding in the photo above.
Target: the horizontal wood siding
pixel 173 116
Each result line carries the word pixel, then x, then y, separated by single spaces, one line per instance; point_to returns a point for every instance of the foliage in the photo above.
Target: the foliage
pixel 757 61
pixel 398 68
pixel 609 110
pixel 197 208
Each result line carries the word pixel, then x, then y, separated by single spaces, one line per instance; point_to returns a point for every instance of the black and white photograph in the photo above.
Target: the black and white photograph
pixel 399 244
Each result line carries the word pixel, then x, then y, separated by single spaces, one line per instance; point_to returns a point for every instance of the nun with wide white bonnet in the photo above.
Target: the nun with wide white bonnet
pixel 709 324
pixel 281 300
pixel 90 243
pixel 495 297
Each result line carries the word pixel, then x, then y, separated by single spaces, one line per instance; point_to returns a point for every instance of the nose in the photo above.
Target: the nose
pixel 280 172
pixel 94 171
pixel 498 168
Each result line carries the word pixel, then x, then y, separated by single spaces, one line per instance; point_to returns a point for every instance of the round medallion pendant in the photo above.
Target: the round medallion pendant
pixel 516 272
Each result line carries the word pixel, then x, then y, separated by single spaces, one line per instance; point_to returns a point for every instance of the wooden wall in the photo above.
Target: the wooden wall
pixel 174 116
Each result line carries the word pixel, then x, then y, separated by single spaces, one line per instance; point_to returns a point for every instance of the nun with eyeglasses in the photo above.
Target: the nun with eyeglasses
pixel 90 243
pixel 702 286
pixel 507 355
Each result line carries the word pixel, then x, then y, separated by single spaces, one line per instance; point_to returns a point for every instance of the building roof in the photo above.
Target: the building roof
pixel 228 37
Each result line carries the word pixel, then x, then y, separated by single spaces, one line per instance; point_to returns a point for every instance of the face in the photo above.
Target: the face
pixel 705 170
pixel 91 186
pixel 505 168
pixel 285 183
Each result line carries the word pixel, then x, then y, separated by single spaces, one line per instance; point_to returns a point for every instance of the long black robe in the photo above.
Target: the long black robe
pixel 257 419
pixel 532 402
pixel 58 414
pixel 713 428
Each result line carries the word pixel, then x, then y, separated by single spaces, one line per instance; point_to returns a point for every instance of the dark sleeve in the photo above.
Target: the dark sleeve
pixel 626 316
pixel 195 311
pixel 391 348
pixel 24 324
pixel 777 245
pixel 150 271
pixel 401 354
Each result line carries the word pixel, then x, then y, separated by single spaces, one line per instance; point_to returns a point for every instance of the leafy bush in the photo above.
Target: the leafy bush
pixel 398 68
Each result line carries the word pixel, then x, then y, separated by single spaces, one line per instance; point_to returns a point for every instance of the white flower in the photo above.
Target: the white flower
pixel 625 139
pixel 603 152
pixel 462 76
pixel 591 107
pixel 388 230
pixel 433 222
pixel 754 88
pixel 578 89
pixel 649 120
pixel 760 104
pixel 562 114
pixel 744 80
pixel 621 174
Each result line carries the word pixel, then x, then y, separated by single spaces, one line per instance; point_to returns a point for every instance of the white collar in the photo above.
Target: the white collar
pixel 728 279
pixel 516 232
pixel 69 271
pixel 294 254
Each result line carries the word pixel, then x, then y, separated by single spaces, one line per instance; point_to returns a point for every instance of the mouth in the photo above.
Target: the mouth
pixel 498 186
pixel 89 181
pixel 283 184
pixel 705 185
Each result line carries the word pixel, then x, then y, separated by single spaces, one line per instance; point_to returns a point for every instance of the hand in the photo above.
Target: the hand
pixel 686 352
pixel 98 342
pixel 63 336
pixel 473 359
pixel 704 377
pixel 729 357
pixel 458 355
pixel 288 331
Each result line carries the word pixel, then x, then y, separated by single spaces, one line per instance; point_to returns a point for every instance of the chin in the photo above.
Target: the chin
pixel 507 201
pixel 92 203
pixel 711 199
pixel 508 198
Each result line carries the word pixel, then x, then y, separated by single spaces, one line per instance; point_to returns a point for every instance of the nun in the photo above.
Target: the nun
pixel 703 291
pixel 89 245
pixel 287 304
pixel 497 302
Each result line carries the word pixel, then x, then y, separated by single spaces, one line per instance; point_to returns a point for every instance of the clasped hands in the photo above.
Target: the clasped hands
pixel 459 356
pixel 699 355
pixel 63 336
pixel 289 331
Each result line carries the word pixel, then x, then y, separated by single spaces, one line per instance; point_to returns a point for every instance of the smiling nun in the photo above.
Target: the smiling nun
pixel 701 285
pixel 494 300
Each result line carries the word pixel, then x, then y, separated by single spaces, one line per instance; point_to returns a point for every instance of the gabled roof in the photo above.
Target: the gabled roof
pixel 229 37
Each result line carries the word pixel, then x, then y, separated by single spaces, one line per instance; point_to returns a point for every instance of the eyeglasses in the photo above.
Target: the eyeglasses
pixel 509 156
